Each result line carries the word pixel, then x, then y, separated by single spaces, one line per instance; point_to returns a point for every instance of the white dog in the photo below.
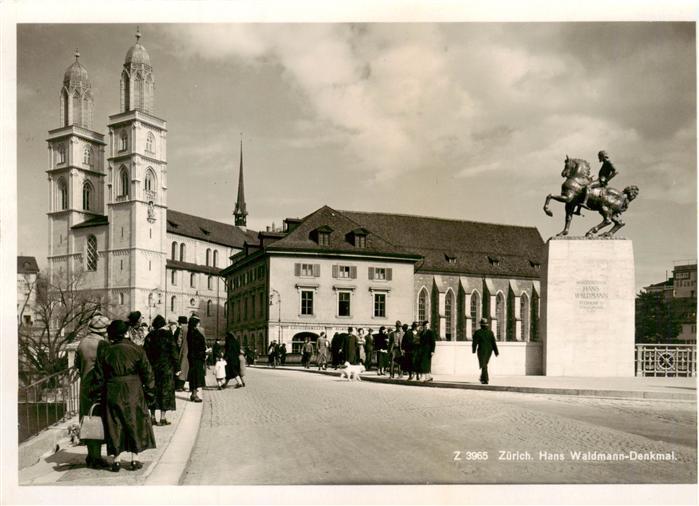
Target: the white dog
pixel 352 371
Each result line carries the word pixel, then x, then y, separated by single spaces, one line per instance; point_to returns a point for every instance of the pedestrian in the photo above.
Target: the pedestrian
pixel 361 349
pixel 428 340
pixel 336 349
pixel 307 353
pixel 215 349
pixel 220 370
pixel 196 354
pixel 272 353
pixel 126 386
pixel 417 352
pixel 369 349
pixel 395 339
pixel 381 345
pixel 184 351
pixel 85 357
pixel 408 348
pixel 232 354
pixel 135 332
pixel 281 352
pixel 160 349
pixel 484 345
pixel 323 351
pixel 243 367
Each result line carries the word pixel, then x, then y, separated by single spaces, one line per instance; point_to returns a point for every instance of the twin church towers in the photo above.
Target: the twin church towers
pixel 108 213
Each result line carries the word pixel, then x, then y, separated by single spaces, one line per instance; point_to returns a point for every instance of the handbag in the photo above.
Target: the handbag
pixel 92 427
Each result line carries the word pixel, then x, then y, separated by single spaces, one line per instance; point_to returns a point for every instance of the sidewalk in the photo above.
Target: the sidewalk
pixel 162 465
pixel 676 389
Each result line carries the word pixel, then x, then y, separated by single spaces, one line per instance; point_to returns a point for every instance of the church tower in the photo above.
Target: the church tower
pixel 241 212
pixel 137 190
pixel 76 184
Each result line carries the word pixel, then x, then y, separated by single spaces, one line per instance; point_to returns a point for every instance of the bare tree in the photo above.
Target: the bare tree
pixel 61 316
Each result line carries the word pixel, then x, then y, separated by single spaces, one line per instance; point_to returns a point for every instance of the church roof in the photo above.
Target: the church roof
pixel 76 75
pixel 137 54
pixel 457 246
pixel 204 229
pixel 27 265
pixel 95 221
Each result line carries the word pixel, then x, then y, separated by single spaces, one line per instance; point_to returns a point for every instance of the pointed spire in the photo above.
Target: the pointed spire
pixel 77 54
pixel 241 211
pixel 138 34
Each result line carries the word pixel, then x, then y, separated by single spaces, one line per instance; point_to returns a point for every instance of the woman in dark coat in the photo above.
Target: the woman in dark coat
pixel 408 348
pixel 232 356
pixel 125 386
pixel 335 347
pixel 196 355
pixel 428 341
pixel 351 351
pixel 161 351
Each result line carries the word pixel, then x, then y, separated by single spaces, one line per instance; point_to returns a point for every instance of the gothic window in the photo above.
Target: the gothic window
pixel 534 335
pixel 210 283
pixel 500 315
pixel 76 108
pixel 61 153
pixel 91 253
pixel 150 180
pixel 475 310
pixel 215 258
pixel 173 278
pixel 87 196
pixel 87 156
pixel 449 314
pixel 62 195
pixel 150 140
pixel 123 141
pixel 182 252
pixel 172 303
pixel 123 182
pixel 208 256
pixel 193 280
pixel 121 299
pixel 524 314
pixel 422 305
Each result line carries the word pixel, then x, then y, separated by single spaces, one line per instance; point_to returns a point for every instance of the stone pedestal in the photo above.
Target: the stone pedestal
pixel 587 307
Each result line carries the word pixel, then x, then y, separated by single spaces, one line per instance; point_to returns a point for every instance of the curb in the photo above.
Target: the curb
pixel 581 392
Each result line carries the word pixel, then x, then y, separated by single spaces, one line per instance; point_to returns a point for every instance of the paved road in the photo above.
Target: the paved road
pixel 289 427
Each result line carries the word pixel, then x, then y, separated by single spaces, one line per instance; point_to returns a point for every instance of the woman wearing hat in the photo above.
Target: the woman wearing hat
pixel 126 388
pixel 162 355
pixel 232 356
pixel 196 354
pixel 85 358
pixel 135 332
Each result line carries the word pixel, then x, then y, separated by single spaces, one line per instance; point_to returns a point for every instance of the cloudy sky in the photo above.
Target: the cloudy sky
pixel 458 120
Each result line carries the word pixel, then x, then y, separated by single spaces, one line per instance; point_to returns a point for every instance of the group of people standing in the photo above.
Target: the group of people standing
pixel 127 374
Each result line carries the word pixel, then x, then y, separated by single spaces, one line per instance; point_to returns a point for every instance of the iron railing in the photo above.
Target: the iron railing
pixel 47 401
pixel 666 360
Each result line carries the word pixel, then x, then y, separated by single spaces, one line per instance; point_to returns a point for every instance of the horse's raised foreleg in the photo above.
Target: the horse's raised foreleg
pixel 559 198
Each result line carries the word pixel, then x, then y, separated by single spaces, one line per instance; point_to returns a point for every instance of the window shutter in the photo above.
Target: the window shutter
pixel 297 269
pixel 353 272
pixel 316 270
pixel 334 271
pixel 389 274
pixel 371 273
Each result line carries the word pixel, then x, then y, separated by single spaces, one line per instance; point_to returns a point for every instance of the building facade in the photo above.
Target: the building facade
pixel 335 269
pixel 109 220
pixel 681 289
pixel 28 289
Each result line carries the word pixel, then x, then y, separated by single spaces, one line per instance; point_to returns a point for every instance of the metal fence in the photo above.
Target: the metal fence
pixel 667 360
pixel 47 401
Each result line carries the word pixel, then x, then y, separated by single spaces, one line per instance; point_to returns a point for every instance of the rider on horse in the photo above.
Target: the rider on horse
pixel 606 173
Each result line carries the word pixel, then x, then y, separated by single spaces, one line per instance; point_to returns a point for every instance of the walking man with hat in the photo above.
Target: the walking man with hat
pixel 484 345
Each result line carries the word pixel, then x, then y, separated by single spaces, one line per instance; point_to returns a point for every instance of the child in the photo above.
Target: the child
pixel 220 369
pixel 242 367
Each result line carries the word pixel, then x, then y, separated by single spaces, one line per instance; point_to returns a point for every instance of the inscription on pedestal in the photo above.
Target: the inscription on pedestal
pixel 591 295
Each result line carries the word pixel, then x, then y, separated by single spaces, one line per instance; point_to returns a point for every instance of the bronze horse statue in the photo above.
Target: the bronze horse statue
pixel 610 203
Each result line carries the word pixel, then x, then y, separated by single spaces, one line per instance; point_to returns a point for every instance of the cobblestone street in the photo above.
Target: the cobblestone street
pixel 293 428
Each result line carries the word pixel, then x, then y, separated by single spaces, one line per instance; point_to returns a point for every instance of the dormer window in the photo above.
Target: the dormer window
pixel 450 258
pixel 534 264
pixel 494 261
pixel 322 235
pixel 204 231
pixel 358 237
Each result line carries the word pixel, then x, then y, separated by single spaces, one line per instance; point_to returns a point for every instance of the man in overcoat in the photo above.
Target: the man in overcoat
pixel 408 348
pixel 428 340
pixel 395 339
pixel 336 348
pixel 196 354
pixel 484 345
pixel 369 348
pixel 350 347
pixel 381 345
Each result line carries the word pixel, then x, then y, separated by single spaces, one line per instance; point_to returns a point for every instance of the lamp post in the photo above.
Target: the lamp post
pixel 279 319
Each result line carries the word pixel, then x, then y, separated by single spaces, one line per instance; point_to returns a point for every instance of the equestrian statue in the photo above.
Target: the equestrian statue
pixel 580 190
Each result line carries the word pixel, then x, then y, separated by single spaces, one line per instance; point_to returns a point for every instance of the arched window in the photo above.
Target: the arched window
pixel 87 196
pixel 123 181
pixel 534 336
pixel 174 250
pixel 87 156
pixel 475 311
pixel 123 141
pixel 422 305
pixel 449 315
pixel 150 140
pixel 61 153
pixel 208 308
pixel 121 299
pixel 172 303
pixel 182 253
pixel 76 108
pixel 150 180
pixel 500 315
pixel 208 256
pixel 91 253
pixel 173 278
pixel 215 258
pixel 524 313
pixel 210 283
pixel 193 280
pixel 62 195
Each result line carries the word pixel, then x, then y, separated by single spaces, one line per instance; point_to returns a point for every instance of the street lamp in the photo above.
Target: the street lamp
pixel 279 320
